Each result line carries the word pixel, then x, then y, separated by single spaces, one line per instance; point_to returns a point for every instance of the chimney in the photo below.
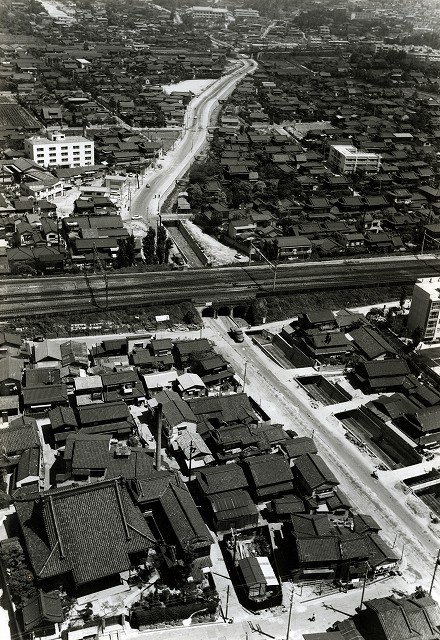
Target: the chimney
pixel 158 424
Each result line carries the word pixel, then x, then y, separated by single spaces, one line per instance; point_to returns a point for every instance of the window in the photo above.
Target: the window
pixel 52 148
pixel 75 146
pixel 64 148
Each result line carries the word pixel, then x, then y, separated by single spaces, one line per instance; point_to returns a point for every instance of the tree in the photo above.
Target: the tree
pixel 416 337
pixel 402 298
pixel 149 246
pixel 240 193
pixel 130 248
pixel 195 195
pixel 121 258
pixel 168 247
pixel 160 244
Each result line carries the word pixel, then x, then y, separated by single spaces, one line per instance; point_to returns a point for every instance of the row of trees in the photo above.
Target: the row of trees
pixel 156 247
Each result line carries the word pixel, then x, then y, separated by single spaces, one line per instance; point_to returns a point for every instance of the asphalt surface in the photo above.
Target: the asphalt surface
pixel 148 201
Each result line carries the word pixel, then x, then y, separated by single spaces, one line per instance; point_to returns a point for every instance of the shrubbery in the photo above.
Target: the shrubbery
pixel 159 613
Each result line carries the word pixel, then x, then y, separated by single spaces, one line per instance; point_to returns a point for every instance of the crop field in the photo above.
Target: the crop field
pixel 13 116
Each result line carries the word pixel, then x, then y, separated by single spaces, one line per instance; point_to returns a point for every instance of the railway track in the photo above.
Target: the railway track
pixel 62 294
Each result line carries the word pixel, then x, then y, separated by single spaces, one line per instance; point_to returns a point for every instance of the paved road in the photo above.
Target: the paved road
pixel 148 201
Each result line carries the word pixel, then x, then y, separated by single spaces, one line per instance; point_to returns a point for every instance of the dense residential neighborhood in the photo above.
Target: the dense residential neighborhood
pixel 202 435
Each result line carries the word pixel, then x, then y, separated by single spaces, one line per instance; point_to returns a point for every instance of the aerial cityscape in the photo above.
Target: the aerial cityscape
pixel 219 320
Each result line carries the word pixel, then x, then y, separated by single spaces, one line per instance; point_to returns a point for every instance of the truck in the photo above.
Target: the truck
pixel 237 334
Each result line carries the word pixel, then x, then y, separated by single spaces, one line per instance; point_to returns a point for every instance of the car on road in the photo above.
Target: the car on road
pixel 147 186
pixel 136 218
pixel 238 256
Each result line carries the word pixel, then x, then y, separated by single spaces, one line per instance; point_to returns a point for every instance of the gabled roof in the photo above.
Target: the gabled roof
pixel 299 446
pixel 45 394
pixel 62 417
pixel 383 368
pixel 28 465
pixel 88 531
pixel 103 413
pixel 44 607
pixel 19 435
pixel 192 444
pixel 48 349
pixel 371 343
pixel 87 451
pixel 222 478
pixel 184 517
pixel 177 411
pixel 403 618
pixel 269 470
pixel 314 471
pixel 11 369
pixel 232 504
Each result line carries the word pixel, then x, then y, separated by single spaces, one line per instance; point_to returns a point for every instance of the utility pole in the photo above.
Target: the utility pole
pixel 363 588
pixel 290 614
pixel 227 601
pixel 437 562
pixel 192 449
pixel 244 375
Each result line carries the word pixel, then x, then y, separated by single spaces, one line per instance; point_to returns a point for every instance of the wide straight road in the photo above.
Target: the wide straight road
pixel 148 200
pixel 232 284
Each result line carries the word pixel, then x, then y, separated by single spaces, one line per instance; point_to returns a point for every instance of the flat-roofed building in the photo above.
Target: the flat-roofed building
pixel 424 313
pixel 59 150
pixel 348 159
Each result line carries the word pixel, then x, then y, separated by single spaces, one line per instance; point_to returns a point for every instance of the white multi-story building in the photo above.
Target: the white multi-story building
pixel 425 309
pixel 213 14
pixel 344 159
pixel 59 150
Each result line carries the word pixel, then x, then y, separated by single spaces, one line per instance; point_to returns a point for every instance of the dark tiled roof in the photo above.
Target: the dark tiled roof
pixel 222 478
pixel 29 464
pixel 138 464
pixel 184 518
pixel 21 434
pixel 61 417
pixel 187 347
pixel 269 470
pixel 87 451
pixel 318 549
pixel 11 369
pixel 100 413
pixel 232 504
pixel 44 607
pixel 45 394
pixel 88 531
pixel 299 446
pixel 314 471
pixel 371 343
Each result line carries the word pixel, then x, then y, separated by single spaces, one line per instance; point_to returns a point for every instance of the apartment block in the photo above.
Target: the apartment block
pixel 425 309
pixel 59 150
pixel 343 159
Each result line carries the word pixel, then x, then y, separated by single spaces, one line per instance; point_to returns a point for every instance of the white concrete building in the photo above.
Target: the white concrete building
pixel 344 159
pixel 213 14
pixel 425 309
pixel 59 150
